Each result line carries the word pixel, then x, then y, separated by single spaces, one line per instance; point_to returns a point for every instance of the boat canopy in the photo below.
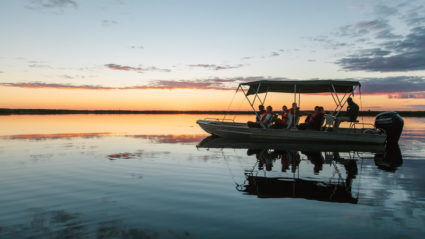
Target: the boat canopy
pixel 301 86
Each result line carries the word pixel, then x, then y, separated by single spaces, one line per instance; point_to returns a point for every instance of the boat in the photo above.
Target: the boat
pixel 340 90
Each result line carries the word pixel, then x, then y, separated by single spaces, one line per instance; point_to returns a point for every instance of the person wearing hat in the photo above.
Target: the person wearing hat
pixel 350 115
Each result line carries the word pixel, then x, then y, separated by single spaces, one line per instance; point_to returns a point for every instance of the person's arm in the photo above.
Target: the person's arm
pixel 289 120
pixel 267 119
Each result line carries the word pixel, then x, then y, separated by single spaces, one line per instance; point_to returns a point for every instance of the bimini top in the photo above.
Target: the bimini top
pixel 301 86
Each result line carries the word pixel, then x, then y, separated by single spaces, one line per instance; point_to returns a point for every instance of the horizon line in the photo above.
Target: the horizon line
pixel 11 111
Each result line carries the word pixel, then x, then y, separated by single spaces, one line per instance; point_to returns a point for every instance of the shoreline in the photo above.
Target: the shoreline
pixel 5 111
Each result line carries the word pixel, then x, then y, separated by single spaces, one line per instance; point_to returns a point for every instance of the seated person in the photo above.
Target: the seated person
pixel 259 113
pixel 314 120
pixel 350 115
pixel 282 123
pixel 293 116
pixel 265 119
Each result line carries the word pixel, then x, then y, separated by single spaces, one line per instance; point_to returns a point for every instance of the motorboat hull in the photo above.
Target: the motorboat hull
pixel 340 136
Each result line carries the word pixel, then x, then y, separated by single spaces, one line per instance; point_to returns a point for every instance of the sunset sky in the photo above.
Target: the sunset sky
pixel 191 55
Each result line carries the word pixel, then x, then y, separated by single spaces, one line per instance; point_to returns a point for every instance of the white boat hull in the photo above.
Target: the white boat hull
pixel 342 135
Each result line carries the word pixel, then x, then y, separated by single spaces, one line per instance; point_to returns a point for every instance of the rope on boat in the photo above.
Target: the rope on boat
pixel 231 102
pixel 361 104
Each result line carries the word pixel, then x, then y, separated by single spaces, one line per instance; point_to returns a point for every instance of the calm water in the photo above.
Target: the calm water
pixel 143 176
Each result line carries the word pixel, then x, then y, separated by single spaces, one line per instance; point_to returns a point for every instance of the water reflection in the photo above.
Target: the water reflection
pixel 301 173
pixel 64 224
pixel 389 160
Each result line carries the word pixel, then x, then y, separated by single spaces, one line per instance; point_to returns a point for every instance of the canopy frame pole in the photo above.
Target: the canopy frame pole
pixel 342 106
pixel 256 95
pixel 333 97
pixel 264 100
pixel 252 106
pixel 299 99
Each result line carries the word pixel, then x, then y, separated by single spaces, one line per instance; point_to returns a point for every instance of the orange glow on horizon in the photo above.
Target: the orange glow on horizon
pixel 178 99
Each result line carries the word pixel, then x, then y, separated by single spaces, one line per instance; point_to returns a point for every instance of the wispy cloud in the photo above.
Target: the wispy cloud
pixel 379 28
pixel 108 23
pixel 39 85
pixel 396 84
pixel 417 95
pixel 137 69
pixel 393 87
pixel 407 54
pixel 212 84
pixel 137 47
pixel 53 4
pixel 216 67
pixel 39 66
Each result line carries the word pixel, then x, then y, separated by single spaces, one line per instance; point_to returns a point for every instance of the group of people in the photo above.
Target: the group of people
pixel 267 119
pixel 288 118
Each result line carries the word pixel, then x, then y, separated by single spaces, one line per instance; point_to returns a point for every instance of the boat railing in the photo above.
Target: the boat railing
pixel 220 120
pixel 371 126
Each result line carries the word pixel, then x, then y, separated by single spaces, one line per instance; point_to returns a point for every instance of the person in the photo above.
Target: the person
pixel 350 115
pixel 258 115
pixel 314 120
pixel 293 115
pixel 265 119
pixel 282 123
pixel 260 112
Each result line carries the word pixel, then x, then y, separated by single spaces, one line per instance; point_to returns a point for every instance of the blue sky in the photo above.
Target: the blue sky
pixel 123 43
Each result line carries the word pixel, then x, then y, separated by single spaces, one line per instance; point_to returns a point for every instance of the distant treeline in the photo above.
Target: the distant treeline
pixel 60 111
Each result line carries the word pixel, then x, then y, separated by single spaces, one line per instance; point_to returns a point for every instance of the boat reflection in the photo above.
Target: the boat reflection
pixel 301 172
pixel 390 159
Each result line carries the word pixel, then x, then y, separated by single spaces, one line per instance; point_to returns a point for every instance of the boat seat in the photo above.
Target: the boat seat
pixel 328 120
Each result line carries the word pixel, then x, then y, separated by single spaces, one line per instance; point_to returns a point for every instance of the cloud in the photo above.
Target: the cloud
pixel 394 87
pixel 247 57
pixel 39 66
pixel 379 28
pixel 137 69
pixel 108 23
pixel 396 84
pixel 216 67
pixel 417 95
pixel 38 85
pixel 53 3
pixel 212 84
pixel 274 54
pixel 137 47
pixel 407 54
pixel 385 10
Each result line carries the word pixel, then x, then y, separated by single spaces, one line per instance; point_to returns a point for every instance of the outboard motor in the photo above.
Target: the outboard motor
pixel 392 124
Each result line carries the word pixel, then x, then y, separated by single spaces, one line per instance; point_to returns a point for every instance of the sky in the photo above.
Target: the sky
pixel 191 55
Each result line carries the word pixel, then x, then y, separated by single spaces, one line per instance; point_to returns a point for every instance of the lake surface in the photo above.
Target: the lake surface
pixel 143 176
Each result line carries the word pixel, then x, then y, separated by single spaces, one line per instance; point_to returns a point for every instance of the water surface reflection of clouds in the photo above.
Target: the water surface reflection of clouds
pixel 118 182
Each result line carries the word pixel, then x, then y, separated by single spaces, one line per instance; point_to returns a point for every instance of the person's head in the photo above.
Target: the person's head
pixel 294 105
pixel 269 109
pixel 284 108
pixel 321 109
pixel 261 107
pixel 316 108
pixel 350 100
